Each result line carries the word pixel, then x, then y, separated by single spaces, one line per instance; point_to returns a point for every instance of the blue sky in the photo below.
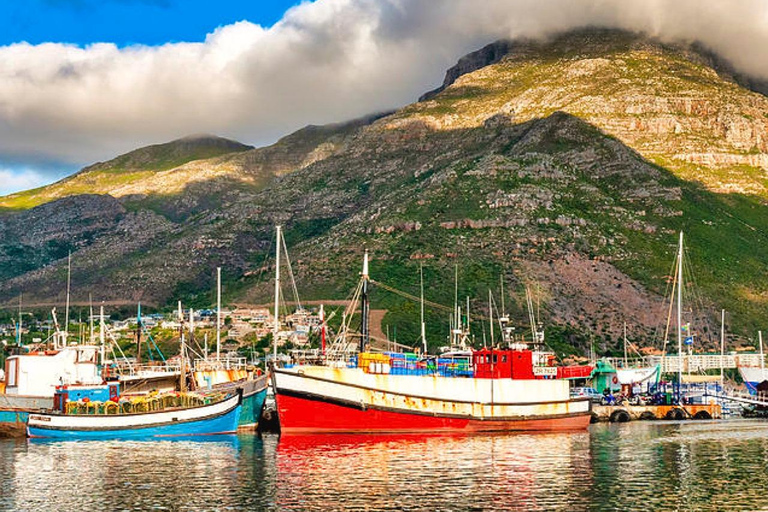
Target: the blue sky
pixel 126 22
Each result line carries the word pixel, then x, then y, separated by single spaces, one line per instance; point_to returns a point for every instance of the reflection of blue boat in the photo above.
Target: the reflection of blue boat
pixel 216 418
pixel 254 395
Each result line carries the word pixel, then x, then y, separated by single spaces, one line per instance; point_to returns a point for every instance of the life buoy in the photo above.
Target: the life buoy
pixel 615 379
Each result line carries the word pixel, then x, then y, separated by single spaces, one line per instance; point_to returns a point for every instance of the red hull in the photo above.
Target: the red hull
pixel 302 416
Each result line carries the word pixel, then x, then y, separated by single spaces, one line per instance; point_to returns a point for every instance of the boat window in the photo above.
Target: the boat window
pixel 11 372
pixel 495 358
pixel 504 358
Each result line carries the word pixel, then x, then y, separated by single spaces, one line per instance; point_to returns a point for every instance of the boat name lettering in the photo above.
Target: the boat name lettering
pixel 40 418
pixel 546 371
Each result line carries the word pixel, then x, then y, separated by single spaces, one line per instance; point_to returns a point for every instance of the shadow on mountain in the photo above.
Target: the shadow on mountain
pixel 517 199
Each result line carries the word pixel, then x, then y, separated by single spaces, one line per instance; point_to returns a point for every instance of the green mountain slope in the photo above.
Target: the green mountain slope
pixel 567 167
pixel 129 169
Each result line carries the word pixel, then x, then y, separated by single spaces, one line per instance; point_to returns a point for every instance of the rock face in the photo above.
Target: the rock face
pixel 565 166
pixel 485 56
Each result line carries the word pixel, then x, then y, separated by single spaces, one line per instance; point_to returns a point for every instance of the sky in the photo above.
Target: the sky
pixel 85 80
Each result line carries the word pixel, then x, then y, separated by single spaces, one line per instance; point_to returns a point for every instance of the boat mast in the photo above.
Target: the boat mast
pixel 365 337
pixel 762 357
pixel 680 316
pixel 138 335
pixel 218 313
pixel 69 275
pixel 490 314
pixel 503 308
pixel 423 327
pixel 625 344
pixel 18 325
pixel 183 350
pixel 101 336
pixel 90 317
pixel 722 349
pixel 191 324
pixel 276 327
pixel 456 316
pixel 467 317
pixel 322 328
pixel 531 315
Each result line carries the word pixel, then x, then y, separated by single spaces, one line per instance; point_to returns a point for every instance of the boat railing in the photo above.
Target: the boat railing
pixel 124 368
pixel 225 363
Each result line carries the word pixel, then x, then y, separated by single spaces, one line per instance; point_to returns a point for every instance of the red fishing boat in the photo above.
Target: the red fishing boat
pixel 501 391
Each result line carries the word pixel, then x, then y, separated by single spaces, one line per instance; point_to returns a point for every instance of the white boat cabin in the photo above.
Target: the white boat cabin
pixel 38 373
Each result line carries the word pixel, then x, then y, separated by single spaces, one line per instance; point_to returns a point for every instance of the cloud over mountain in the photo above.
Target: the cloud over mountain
pixel 324 61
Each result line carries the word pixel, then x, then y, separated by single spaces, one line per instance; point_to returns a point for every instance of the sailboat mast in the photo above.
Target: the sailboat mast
pixel 762 357
pixel 218 313
pixel 680 314
pixel 276 327
pixel 423 326
pixel 69 276
pixel 365 337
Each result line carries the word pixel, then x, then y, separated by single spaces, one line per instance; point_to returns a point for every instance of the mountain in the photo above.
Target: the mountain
pixel 567 166
pixel 120 175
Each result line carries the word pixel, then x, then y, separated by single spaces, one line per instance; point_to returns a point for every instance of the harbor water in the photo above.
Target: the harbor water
pixel 707 465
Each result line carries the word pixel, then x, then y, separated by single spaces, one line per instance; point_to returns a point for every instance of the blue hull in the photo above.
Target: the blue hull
pixel 224 424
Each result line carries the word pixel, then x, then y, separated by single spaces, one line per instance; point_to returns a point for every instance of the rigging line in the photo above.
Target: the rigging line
pixel 669 311
pixel 290 274
pixel 414 298
pixel 667 293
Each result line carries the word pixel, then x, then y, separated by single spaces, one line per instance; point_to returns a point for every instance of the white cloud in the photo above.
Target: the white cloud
pixel 325 61
pixel 13 179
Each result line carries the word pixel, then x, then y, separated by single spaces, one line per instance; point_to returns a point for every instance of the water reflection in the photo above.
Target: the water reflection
pixel 633 466
pixel 522 472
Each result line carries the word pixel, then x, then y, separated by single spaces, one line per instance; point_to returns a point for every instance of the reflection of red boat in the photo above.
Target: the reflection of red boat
pixel 504 395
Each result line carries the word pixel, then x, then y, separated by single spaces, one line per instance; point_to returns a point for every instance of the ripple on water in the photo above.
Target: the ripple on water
pixel 633 466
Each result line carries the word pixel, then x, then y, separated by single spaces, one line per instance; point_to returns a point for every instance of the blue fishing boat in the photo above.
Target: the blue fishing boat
pixel 218 417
